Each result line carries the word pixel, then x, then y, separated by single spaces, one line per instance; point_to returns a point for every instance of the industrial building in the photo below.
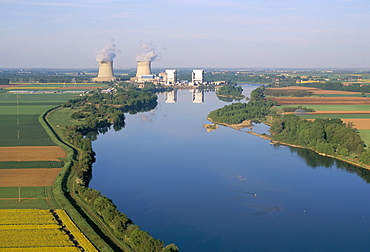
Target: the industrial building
pixel 105 72
pixel 197 76
pixel 170 76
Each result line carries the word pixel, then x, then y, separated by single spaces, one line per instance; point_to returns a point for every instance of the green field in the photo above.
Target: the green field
pixel 24 130
pixel 19 115
pixel 365 136
pixel 30 197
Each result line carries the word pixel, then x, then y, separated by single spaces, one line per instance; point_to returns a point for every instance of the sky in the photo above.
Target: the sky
pixel 186 33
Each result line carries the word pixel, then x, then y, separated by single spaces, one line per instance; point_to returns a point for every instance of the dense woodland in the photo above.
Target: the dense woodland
pixel 256 109
pixel 232 90
pixel 328 136
pixel 96 113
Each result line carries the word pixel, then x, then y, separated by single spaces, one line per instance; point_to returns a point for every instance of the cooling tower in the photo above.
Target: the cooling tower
pixel 105 72
pixel 143 68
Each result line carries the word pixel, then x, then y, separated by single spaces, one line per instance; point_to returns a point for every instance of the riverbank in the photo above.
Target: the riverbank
pixel 248 123
pixel 239 126
pixel 350 161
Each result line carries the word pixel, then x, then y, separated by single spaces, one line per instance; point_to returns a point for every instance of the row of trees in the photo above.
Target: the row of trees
pixel 332 85
pixel 121 225
pixel 4 81
pixel 298 109
pixel 254 110
pixel 96 113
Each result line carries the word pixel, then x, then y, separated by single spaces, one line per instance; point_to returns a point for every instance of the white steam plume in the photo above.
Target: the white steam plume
pixel 108 53
pixel 146 52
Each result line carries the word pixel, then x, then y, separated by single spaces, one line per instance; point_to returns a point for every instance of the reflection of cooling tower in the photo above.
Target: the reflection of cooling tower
pixel 143 68
pixel 105 72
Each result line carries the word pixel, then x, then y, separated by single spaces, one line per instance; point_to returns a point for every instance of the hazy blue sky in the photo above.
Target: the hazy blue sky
pixel 187 33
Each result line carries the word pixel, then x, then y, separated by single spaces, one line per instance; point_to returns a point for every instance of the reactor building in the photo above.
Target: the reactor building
pixel 197 76
pixel 170 76
pixel 105 72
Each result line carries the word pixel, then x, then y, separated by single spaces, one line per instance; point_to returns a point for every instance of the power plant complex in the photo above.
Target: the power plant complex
pixel 143 71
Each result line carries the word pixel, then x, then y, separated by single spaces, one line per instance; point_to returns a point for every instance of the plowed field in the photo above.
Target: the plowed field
pixel 315 90
pixel 322 100
pixel 358 123
pixel 28 177
pixel 32 153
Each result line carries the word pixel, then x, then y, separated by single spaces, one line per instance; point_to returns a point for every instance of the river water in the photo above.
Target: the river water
pixel 228 190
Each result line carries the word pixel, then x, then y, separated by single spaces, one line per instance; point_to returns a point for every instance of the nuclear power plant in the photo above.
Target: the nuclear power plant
pixel 105 72
pixel 144 58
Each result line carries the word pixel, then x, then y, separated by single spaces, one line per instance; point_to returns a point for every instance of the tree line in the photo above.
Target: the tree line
pixel 95 114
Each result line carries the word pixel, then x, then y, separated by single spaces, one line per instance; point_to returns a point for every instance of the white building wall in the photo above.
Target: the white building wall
pixel 171 76
pixel 197 76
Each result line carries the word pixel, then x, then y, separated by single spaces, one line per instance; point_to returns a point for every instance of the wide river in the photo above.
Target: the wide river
pixel 228 190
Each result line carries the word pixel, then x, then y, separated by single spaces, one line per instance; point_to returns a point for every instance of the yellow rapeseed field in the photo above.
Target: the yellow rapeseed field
pixel 81 238
pixel 37 230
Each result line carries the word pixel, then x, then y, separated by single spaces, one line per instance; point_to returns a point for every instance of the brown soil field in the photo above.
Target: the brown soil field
pixel 32 153
pixel 11 85
pixel 359 123
pixel 28 177
pixel 363 123
pixel 322 100
pixel 315 90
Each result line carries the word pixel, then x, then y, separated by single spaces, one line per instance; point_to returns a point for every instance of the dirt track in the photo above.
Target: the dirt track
pixel 32 153
pixel 28 177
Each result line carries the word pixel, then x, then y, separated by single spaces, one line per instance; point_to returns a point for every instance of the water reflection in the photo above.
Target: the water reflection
pixel 315 160
pixel 170 97
pixel 198 96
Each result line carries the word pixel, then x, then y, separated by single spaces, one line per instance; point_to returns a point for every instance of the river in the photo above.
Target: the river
pixel 227 190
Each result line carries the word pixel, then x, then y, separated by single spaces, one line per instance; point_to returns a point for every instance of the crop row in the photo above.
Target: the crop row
pixel 26 216
pixel 80 237
pixel 34 238
pixel 32 227
pixel 42 249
